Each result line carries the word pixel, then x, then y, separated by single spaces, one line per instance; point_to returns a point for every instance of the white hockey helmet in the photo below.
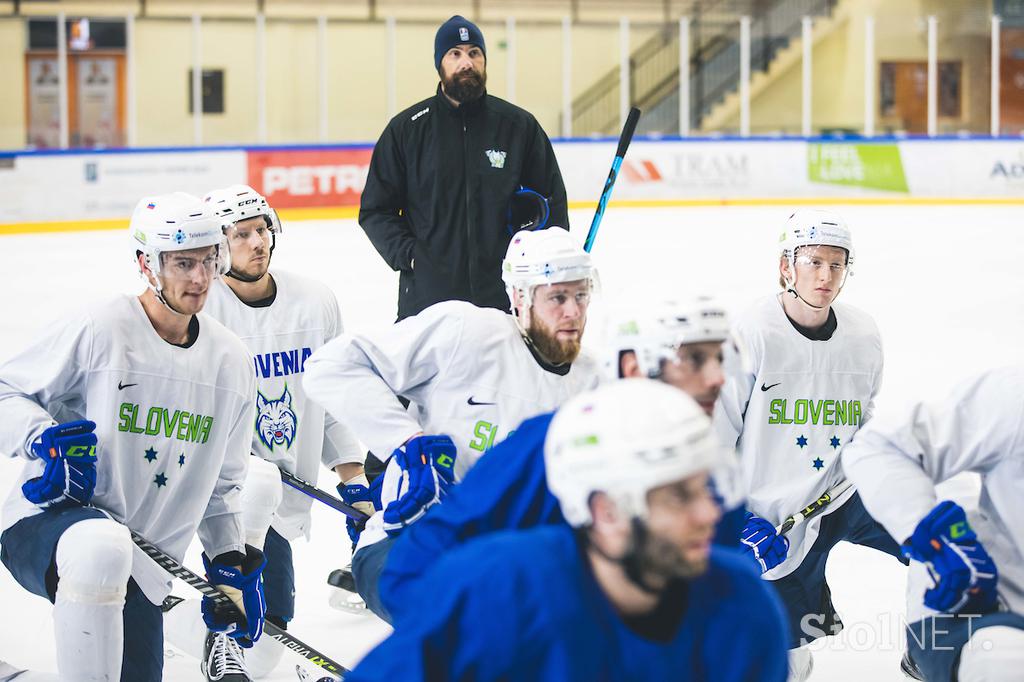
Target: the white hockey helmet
pixel 815 227
pixel 545 256
pixel 239 202
pixel 625 438
pixel 174 222
pixel 655 335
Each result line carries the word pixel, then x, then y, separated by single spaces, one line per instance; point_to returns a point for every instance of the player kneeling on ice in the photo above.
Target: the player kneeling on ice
pixel 802 374
pixel 282 317
pixel 677 343
pixel 628 588
pixel 155 411
pixel 966 583
pixel 471 374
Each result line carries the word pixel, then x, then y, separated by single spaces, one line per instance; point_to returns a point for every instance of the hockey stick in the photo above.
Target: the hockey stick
pixel 176 569
pixel 814 508
pixel 325 497
pixel 624 139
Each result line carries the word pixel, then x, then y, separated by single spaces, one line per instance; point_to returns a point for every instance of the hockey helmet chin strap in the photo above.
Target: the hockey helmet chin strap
pixel 631 562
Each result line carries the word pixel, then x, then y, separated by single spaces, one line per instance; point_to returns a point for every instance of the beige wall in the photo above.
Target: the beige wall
pixel 900 35
pixel 12 84
pixel 357 64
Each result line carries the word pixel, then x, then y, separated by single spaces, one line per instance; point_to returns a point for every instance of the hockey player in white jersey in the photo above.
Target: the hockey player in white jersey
pixel 966 585
pixel 135 414
pixel 283 318
pixel 678 342
pixel 471 375
pixel 802 374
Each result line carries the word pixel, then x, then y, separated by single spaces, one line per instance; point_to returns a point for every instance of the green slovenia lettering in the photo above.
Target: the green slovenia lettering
pixel 816 412
pixel 160 421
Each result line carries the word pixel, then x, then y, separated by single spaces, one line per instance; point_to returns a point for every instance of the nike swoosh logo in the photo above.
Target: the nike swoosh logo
pixel 121 386
pixel 768 388
pixel 473 402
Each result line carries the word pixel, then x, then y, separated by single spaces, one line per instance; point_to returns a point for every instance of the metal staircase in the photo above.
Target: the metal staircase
pixel 714 64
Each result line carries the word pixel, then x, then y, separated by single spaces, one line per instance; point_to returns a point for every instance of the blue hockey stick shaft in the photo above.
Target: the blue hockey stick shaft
pixel 624 139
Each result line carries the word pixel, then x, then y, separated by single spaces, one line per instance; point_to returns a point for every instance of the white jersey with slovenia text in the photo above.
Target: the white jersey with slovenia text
pixel 290 430
pixel 790 405
pixel 467 372
pixel 173 426
pixel 895 462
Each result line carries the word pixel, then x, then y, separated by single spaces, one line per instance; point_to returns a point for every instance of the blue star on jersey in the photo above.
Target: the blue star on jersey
pixel 181 460
pixel 150 454
pixel 818 464
pixel 802 442
pixel 834 442
pixel 160 480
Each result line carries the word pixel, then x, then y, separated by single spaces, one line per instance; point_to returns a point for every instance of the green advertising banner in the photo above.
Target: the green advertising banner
pixel 872 166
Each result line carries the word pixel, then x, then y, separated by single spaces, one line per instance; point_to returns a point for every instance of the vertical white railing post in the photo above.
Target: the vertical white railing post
pixel 62 78
pixel 624 85
pixel 996 21
pixel 745 76
pixel 392 47
pixel 510 65
pixel 805 113
pixel 322 89
pixel 566 76
pixel 869 77
pixel 131 111
pixel 197 81
pixel 684 76
pixel 261 78
pixel 933 76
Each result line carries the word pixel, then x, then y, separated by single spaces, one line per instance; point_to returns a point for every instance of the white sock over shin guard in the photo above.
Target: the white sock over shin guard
pixel 94 561
pixel 261 496
pixel 993 654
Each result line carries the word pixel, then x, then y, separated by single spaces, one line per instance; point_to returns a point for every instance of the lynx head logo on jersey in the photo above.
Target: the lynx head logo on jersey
pixel 275 420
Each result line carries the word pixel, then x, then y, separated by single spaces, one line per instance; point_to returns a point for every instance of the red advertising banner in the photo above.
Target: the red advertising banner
pixel 309 177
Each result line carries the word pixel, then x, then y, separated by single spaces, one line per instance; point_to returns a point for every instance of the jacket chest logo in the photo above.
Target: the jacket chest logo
pixel 496 158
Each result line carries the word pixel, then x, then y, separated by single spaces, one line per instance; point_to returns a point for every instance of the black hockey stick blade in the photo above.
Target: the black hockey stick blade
pixel 176 569
pixel 325 497
pixel 624 139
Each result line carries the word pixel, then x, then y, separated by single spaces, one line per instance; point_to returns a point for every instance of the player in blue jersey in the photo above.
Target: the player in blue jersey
pixel 627 589
pixel 677 343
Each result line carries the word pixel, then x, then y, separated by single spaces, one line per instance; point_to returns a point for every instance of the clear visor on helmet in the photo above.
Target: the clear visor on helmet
pixel 812 261
pixel 266 227
pixel 205 262
pixel 559 293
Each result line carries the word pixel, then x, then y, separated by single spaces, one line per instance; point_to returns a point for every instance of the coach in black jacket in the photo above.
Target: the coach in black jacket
pixel 441 177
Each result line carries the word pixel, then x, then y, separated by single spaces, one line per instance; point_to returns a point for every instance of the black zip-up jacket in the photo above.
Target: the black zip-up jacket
pixel 437 193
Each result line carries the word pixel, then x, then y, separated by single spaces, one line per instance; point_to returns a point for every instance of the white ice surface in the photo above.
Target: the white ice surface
pixel 944 284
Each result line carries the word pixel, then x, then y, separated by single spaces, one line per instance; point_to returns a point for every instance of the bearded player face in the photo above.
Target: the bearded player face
pixel 557 318
pixel 464 73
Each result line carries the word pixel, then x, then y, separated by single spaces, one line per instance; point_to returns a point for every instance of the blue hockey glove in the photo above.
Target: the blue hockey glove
pixel 244 622
pixel 356 492
pixel 69 451
pixel 428 470
pixel 965 575
pixel 761 543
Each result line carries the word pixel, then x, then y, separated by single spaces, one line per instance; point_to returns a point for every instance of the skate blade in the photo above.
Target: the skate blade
pixel 347 602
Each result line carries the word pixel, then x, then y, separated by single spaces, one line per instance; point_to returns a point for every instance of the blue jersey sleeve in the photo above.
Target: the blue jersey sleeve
pixel 506 489
pixel 482 625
